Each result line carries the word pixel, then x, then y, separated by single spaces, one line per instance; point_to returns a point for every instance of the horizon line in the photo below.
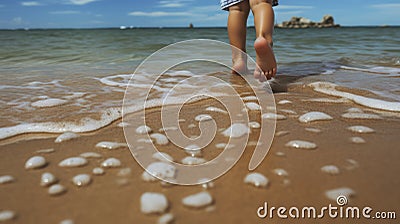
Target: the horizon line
pixel 179 27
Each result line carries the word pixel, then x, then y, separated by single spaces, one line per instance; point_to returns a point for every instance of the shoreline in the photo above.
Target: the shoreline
pixel 369 169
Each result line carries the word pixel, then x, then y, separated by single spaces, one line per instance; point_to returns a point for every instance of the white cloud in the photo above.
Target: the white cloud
pixel 386 6
pixel 294 13
pixel 67 12
pixel 172 3
pixel 159 14
pixel 294 7
pixel 30 3
pixel 81 2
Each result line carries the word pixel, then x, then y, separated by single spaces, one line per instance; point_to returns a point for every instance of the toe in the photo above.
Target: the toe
pixel 268 74
pixel 274 72
pixel 262 78
pixel 257 74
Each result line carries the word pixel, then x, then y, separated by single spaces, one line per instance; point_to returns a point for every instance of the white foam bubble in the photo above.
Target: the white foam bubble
pixel 253 143
pixel 281 133
pixel 75 95
pixel 81 180
pixel 300 144
pixel 216 109
pixel 192 126
pixel 249 98
pixel 206 183
pixel 90 155
pixel 288 111
pixel 166 219
pixel 361 129
pixel 357 140
pixel 198 200
pixel 123 124
pixel 56 189
pixel 254 124
pixel 314 130
pixel 236 130
pixel 6 215
pixel 148 177
pixel 282 102
pixel 252 106
pixel 165 129
pixel 111 163
pixel 67 221
pixel 330 89
pixel 160 138
pixel 66 136
pixel 47 179
pixel 355 110
pixel 108 80
pixel 153 203
pixel 327 100
pixel 73 162
pixel 45 151
pixel 335 193
pixel 256 179
pixel 162 156
pixel 162 170
pixel 51 102
pixel 314 116
pixel 110 145
pixel 280 154
pixel 189 160
pixel 273 116
pixel 330 169
pixel 203 117
pixel 361 116
pixel 5 179
pixel 98 171
pixel 220 145
pixel 35 162
pixel 193 150
pixel 143 140
pixel 352 164
pixel 144 129
pixel 281 172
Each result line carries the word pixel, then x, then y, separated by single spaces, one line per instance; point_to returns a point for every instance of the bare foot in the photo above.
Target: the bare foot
pixel 239 67
pixel 265 59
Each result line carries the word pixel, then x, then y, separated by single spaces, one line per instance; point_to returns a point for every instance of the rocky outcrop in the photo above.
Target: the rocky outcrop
pixel 301 22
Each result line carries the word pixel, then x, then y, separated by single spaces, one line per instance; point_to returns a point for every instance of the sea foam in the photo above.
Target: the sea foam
pixel 330 89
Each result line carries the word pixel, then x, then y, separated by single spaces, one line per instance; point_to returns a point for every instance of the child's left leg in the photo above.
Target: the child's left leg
pixel 237 24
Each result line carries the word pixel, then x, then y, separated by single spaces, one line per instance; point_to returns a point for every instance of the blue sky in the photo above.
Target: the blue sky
pixel 172 13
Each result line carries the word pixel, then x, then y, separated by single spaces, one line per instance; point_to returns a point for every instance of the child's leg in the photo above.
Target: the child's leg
pixel 237 23
pixel 264 24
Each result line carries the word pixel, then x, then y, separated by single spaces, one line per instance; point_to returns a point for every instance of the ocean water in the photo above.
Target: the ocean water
pixel 74 80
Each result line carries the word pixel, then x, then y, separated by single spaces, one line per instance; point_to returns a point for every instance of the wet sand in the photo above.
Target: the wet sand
pixel 369 169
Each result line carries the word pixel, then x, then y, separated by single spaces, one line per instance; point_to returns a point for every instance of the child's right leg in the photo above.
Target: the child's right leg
pixel 264 24
pixel 237 23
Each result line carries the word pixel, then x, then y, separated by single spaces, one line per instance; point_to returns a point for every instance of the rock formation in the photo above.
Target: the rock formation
pixel 301 22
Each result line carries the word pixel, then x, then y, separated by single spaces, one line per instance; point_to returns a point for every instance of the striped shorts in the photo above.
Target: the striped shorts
pixel 225 4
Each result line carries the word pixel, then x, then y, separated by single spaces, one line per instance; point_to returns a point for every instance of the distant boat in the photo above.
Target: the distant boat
pixel 122 27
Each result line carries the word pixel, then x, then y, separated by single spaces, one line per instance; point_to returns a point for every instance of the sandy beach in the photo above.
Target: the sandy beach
pixel 296 177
